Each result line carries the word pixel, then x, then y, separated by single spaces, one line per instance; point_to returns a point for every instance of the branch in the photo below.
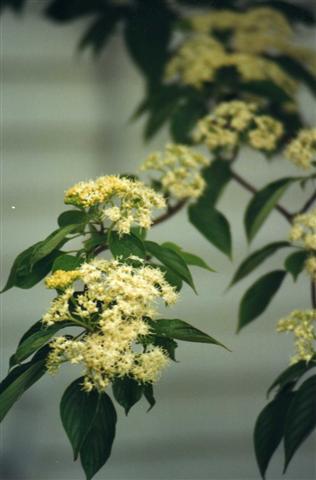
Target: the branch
pixel 308 203
pixel 172 210
pixel 247 186
pixel 313 293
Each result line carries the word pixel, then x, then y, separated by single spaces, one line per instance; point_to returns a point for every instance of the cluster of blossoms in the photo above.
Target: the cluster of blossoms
pixel 260 30
pixel 302 150
pixel 200 57
pixel 302 324
pixel 114 305
pixel 235 121
pixel 123 201
pixel 304 230
pixel 179 170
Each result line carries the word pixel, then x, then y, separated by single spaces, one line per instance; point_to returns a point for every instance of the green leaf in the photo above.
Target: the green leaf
pixel 16 5
pixel 97 446
pixel 266 89
pixel 147 35
pixel 171 260
pixel 61 11
pixel 180 330
pixel 126 245
pixel 300 419
pixel 184 118
pixel 292 374
pixel 78 410
pixel 100 30
pixel 213 225
pixel 53 241
pixel 72 217
pixel 170 276
pixel 127 392
pixel 189 258
pixel 19 380
pixel 67 263
pixel 255 259
pixel 35 341
pixel 258 296
pixel 297 70
pixel 23 274
pixel 96 239
pixel 269 429
pixel 295 263
pixel 167 344
pixel 149 395
pixel 262 203
pixel 217 176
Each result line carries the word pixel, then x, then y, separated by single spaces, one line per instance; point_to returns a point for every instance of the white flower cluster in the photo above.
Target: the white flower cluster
pixel 116 299
pixel 178 170
pixel 123 201
pixel 303 230
pixel 302 324
pixel 302 150
pixel 236 121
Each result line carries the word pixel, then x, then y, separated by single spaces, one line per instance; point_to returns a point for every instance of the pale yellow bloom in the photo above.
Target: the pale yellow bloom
pixel 123 201
pixel 61 279
pixel 302 324
pixel 310 266
pixel 303 230
pixel 302 150
pixel 178 170
pixel 267 133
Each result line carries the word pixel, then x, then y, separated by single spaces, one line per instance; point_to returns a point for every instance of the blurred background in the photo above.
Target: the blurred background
pixel 65 119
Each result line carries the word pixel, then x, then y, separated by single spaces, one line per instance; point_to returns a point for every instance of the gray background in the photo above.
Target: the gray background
pixel 65 119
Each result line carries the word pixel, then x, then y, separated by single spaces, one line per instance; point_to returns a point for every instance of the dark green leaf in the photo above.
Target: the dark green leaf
pixel 171 260
pixel 255 259
pixel 167 344
pixel 72 217
pixel 185 117
pixel 217 177
pixel 149 395
pixel 33 329
pixel 292 374
pixel 16 5
pixel 258 296
pixel 213 225
pixel 147 35
pixel 170 276
pixel 100 30
pixel 20 379
pixel 62 11
pixel 294 263
pixel 66 263
pixel 297 70
pixel 269 429
pixel 78 410
pixel 35 341
pixel 189 258
pixel 53 241
pixel 262 203
pixel 300 419
pixel 266 89
pixel 96 239
pixel 127 392
pixel 97 446
pixel 180 330
pixel 126 245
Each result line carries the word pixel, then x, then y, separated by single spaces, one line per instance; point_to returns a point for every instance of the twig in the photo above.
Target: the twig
pixel 286 214
pixel 172 210
pixel 308 203
pixel 313 293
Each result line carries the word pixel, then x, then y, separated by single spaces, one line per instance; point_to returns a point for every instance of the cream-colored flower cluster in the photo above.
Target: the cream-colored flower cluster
pixel 113 304
pixel 200 57
pixel 61 279
pixel 236 121
pixel 123 201
pixel 303 230
pixel 178 170
pixel 302 150
pixel 259 30
pixel 302 324
pixel 310 266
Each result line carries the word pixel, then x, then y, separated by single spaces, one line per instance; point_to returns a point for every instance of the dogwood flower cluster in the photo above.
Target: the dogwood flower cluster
pixel 235 121
pixel 123 201
pixel 302 324
pixel 199 58
pixel 114 304
pixel 178 170
pixel 259 30
pixel 302 150
pixel 303 230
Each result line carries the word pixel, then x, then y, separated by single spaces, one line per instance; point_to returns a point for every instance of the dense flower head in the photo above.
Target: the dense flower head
pixel 259 30
pixel 302 324
pixel 302 149
pixel 310 266
pixel 235 121
pixel 303 230
pixel 123 201
pixel 178 170
pixel 114 304
pixel 61 279
pixel 199 58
